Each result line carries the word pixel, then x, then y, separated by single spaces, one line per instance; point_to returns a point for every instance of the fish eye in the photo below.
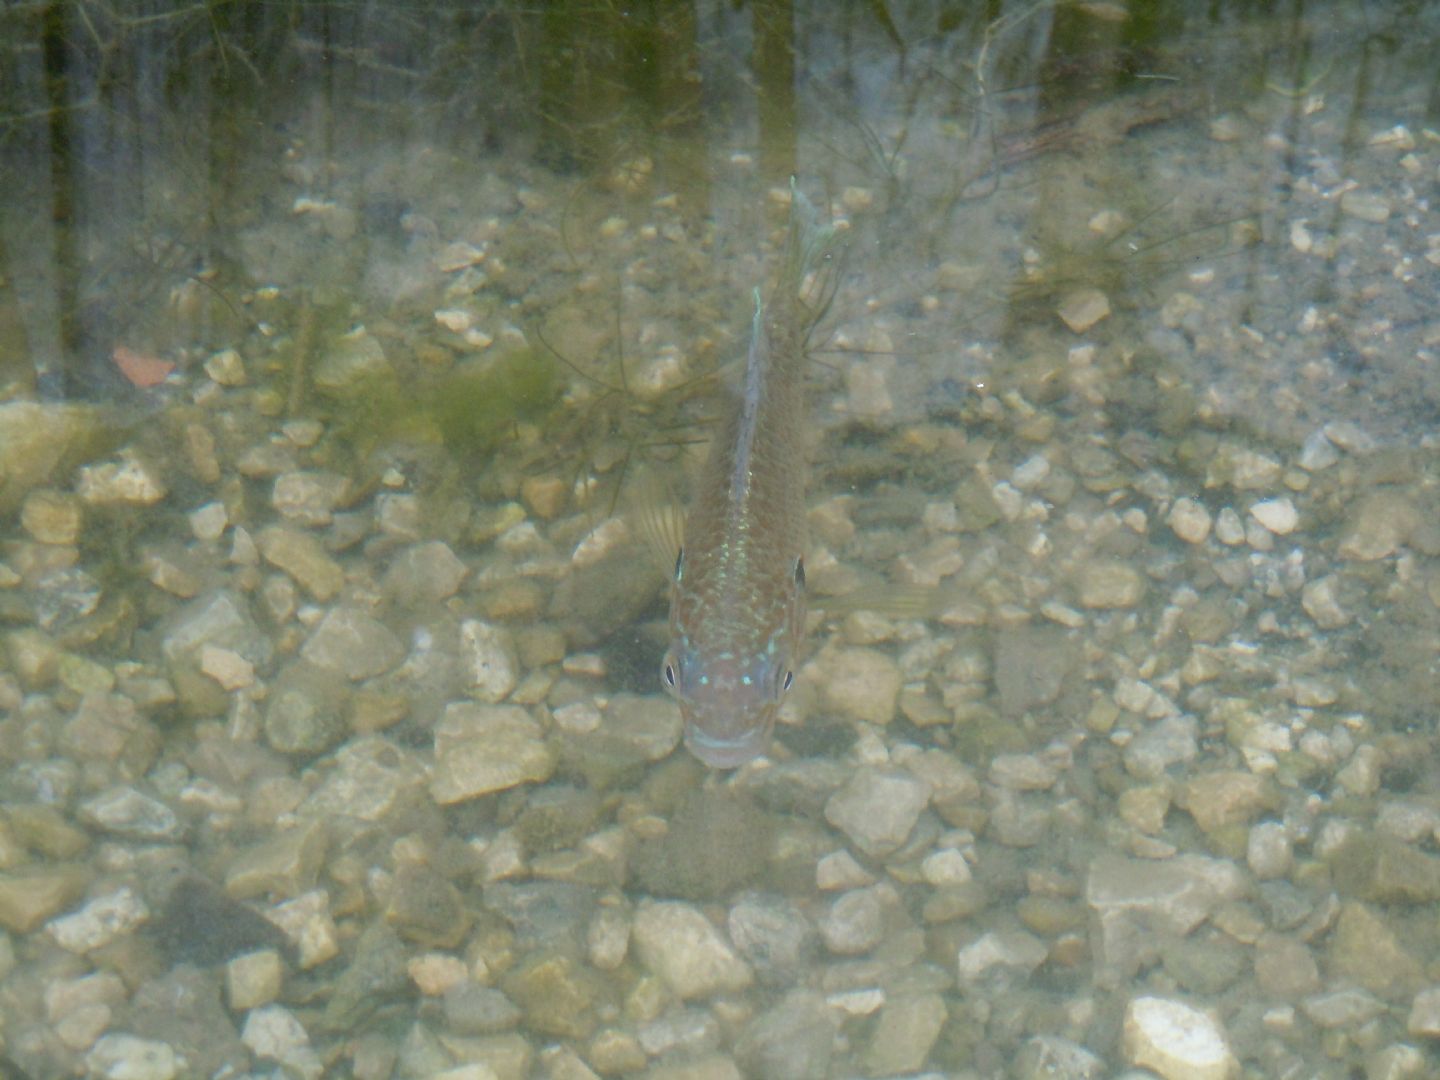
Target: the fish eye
pixel 668 672
pixel 785 683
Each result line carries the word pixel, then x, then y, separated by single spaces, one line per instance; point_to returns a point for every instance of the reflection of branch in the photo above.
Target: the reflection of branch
pixel 132 21
pixel 49 112
pixel 984 125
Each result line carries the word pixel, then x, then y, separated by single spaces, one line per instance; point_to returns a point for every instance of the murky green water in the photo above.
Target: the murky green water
pixel 333 340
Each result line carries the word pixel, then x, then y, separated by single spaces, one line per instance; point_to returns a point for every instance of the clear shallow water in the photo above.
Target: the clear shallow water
pixel 1133 359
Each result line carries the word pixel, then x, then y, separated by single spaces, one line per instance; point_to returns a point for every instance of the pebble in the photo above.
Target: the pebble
pixel 1361 775
pixel 29 896
pixel 208 522
pixel 473 1009
pixel 794 1040
pixel 353 642
pixel 227 667
pixel 1376 526
pixel 368 778
pixel 877 808
pixel 855 922
pixel 1031 663
pixel 679 1032
pixel 34 657
pixel 839 870
pixel 1242 468
pixel 1225 797
pixel 120 1056
pixel 283 864
pixel 867 391
pixel 1347 1007
pixel 676 942
pixel 100 921
pixel 128 482
pixel 1177 1041
pixel 1365 950
pixel 1135 903
pixel 946 867
pixel 1145 808
pixel 773 934
pixel 863 684
pixel 307 923
pixel 488 660
pixel 1268 850
pixel 352 362
pixel 82 1009
pixel 304 558
pixel 1229 529
pixel 1350 437
pixel 1321 601
pixel 1052 1057
pixel 1106 584
pixel 109 729
pixel 127 812
pixel 485 748
pixel 39 437
pixel 1189 520
pixel 253 979
pixel 457 256
pixel 1023 772
pixel 426 908
pixel 227 368
pixel 904 1035
pixel 304 712
pixel 309 498
pixel 52 517
pixel 1285 968
pixel 274 1033
pixel 545 496
pixel 1424 1019
pixel 636 728
pixel 1365 206
pixel 1317 452
pixel 998 958
pixel 434 973
pixel 1081 309
pixel 1279 516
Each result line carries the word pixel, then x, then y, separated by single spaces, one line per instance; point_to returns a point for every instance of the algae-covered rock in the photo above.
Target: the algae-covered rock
pixel 41 442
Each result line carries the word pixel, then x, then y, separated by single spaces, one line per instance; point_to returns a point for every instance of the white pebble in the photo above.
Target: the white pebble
pixel 455 320
pixel 1176 1041
pixel 208 522
pixel 1277 515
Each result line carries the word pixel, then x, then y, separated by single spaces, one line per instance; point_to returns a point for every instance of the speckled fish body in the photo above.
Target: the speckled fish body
pixel 737 606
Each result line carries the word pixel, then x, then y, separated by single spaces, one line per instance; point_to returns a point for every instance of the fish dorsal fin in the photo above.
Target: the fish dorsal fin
pixel 659 520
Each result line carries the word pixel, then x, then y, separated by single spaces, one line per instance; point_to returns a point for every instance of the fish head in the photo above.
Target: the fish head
pixel 728 701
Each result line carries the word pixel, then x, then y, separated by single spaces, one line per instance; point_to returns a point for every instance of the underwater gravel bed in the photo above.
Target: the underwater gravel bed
pixel 333 741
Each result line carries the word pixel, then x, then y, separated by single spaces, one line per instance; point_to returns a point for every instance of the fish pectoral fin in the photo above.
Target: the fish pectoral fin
pixel 659 521
pixel 897 601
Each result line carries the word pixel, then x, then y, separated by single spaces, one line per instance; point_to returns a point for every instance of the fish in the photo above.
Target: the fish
pixel 737 594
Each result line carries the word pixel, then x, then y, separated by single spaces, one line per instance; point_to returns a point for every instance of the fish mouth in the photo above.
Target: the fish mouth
pixel 726 753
